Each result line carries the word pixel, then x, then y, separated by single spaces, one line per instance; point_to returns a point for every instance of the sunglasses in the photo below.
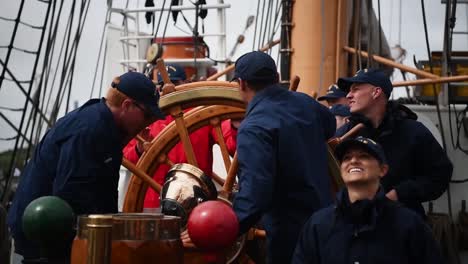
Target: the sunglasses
pixel 146 112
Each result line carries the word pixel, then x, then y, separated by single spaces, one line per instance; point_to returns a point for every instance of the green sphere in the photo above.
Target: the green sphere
pixel 48 220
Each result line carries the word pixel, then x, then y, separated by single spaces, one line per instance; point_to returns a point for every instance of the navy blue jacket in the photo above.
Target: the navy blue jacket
pixel 366 232
pixel 419 168
pixel 77 160
pixel 282 154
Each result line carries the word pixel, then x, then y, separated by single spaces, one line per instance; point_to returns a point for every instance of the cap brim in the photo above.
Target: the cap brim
pixel 341 113
pixel 329 96
pixel 347 144
pixel 176 79
pixel 345 83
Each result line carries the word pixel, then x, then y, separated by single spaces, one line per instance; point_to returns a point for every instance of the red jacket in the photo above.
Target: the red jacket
pixel 202 140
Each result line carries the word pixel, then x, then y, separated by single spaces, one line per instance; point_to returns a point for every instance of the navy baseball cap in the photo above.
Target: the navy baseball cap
pixel 140 88
pixel 375 77
pixel 340 110
pixel 256 66
pixel 333 92
pixel 175 72
pixel 368 144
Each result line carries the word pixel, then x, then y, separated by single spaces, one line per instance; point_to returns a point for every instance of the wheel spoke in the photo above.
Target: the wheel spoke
pixel 216 123
pixel 231 176
pixel 217 178
pixel 146 144
pixel 141 174
pixel 164 159
pixel 178 115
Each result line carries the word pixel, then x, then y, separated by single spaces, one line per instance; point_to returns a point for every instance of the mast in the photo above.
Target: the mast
pixel 318 35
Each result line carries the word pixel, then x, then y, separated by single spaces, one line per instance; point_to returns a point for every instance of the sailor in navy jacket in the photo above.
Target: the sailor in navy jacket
pixel 371 231
pixel 282 154
pixel 79 158
pixel 365 226
pixel 420 170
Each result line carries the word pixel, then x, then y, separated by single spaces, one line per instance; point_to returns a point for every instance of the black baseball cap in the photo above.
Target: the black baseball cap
pixel 140 88
pixel 256 66
pixel 375 77
pixel 333 92
pixel 340 110
pixel 175 72
pixel 368 144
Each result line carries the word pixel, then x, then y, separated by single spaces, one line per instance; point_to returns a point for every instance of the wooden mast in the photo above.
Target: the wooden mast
pixel 319 33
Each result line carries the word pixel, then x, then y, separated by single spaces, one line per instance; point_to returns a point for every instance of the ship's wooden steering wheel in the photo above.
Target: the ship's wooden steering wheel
pixel 213 102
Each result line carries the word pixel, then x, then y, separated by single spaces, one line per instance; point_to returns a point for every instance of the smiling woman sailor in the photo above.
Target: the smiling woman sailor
pixel 365 226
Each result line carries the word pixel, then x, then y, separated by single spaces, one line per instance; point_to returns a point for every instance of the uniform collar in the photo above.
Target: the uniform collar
pixel 266 92
pixel 108 118
pixel 363 214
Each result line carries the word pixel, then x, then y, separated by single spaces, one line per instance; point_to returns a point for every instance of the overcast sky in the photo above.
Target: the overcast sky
pixel 411 38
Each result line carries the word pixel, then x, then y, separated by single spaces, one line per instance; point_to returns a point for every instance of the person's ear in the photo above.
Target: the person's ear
pixel 377 92
pixel 126 104
pixel 242 84
pixel 383 169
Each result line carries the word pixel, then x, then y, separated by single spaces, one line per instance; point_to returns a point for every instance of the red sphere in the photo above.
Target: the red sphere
pixel 213 225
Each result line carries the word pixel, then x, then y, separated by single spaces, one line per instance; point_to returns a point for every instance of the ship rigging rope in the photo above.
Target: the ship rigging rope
pixel 6 193
pixel 51 45
pixel 37 106
pixel 14 128
pixel 380 29
pixel 450 229
pixel 83 15
pixel 266 29
pixel 370 51
pixel 255 30
pixel 66 64
pixel 261 25
pixel 12 40
pixel 11 80
pixel 458 121
pixel 11 109
pixel 439 117
pixel 276 22
pixel 69 64
pixel 436 100
pixel 26 94
pixel 8 138
pixel 21 22
pixel 58 62
pixel 48 62
pixel 106 22
pixel 437 105
pixel 167 22
pixel 266 25
pixel 160 17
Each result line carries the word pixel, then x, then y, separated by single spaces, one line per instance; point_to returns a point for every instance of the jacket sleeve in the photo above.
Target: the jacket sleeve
pixel 423 248
pixel 433 171
pixel 130 152
pixel 78 168
pixel 257 171
pixel 329 123
pixel 343 129
pixel 229 135
pixel 307 245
